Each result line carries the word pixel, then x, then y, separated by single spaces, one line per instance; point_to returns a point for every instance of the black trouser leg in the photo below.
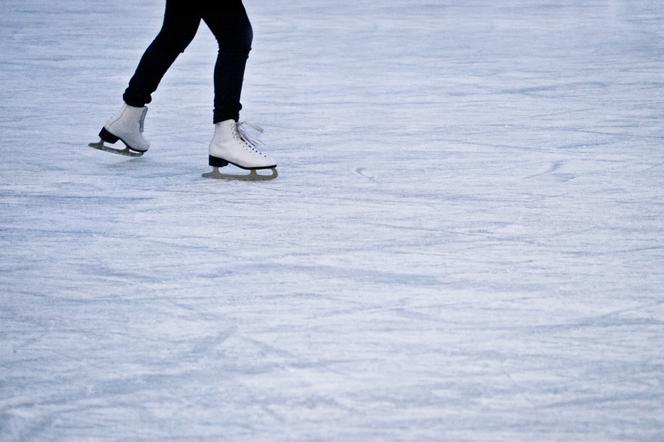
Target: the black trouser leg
pixel 230 25
pixel 228 21
pixel 181 21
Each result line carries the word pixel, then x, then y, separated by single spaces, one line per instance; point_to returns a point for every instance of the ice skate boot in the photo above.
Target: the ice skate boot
pixel 232 144
pixel 126 126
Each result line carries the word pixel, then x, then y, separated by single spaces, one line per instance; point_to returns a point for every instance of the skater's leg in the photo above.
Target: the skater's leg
pixel 230 25
pixel 181 21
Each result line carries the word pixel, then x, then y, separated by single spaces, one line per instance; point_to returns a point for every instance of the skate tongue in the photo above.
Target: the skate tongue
pixel 141 122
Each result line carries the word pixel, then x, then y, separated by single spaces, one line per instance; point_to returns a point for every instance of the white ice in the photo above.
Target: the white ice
pixel 466 240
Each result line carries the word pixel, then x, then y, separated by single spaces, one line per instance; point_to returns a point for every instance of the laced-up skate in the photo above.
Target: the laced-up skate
pixel 234 144
pixel 127 126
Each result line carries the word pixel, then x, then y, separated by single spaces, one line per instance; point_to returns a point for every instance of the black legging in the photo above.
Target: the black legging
pixel 228 21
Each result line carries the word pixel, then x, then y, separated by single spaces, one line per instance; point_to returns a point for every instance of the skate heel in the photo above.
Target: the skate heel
pixel 107 136
pixel 216 162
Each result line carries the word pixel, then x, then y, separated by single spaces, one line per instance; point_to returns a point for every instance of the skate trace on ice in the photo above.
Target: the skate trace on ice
pixel 465 241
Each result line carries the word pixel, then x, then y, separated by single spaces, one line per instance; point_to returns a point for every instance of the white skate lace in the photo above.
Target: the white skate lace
pixel 249 134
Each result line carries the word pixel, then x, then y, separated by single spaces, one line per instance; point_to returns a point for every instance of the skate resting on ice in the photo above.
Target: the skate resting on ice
pixel 232 143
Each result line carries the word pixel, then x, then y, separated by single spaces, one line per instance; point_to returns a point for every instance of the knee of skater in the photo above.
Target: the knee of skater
pixel 239 46
pixel 235 51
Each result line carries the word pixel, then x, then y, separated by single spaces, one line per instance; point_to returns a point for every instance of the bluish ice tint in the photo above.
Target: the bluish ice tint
pixel 466 240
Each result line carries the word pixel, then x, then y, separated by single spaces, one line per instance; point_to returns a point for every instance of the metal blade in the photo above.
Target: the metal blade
pixel 252 176
pixel 126 151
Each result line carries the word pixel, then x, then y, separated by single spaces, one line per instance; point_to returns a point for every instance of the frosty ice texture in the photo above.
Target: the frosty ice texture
pixel 465 242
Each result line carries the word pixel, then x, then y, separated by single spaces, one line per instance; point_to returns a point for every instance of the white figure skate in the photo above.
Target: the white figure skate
pixel 231 144
pixel 127 126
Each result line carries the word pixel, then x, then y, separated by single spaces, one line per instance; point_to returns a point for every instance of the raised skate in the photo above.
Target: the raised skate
pixel 127 127
pixel 232 144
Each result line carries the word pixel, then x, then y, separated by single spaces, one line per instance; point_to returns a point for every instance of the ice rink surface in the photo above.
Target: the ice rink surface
pixel 466 242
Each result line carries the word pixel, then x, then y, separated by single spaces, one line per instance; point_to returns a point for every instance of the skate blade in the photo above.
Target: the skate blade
pixel 253 175
pixel 126 151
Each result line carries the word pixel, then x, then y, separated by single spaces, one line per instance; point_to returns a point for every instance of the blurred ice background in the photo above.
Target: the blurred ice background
pixel 466 241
